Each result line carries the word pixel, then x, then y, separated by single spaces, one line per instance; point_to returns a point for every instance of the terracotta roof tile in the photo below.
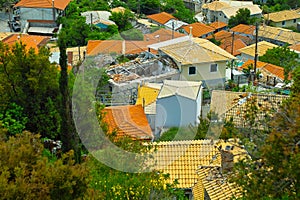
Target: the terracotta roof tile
pixel 163 35
pixel 95 47
pixel 161 18
pixel 242 28
pixel 295 47
pixel 237 44
pixel 217 25
pixel 128 121
pixel 59 4
pixel 31 41
pixel 271 69
pixel 198 29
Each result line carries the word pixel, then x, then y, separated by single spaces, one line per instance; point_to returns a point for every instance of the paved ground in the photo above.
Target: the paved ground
pixel 3 22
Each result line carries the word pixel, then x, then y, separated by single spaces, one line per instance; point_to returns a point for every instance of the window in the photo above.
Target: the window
pixel 283 23
pixel 192 70
pixel 213 68
pixel 295 20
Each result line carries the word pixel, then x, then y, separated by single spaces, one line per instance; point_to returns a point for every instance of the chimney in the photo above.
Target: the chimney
pixel 191 32
pixel 70 58
pixel 226 161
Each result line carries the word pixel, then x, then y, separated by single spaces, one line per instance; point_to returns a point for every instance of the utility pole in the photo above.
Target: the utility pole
pixel 256 54
pixel 172 29
pixel 139 8
pixel 232 44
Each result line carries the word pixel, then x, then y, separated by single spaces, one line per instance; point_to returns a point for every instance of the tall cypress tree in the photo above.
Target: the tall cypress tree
pixel 69 136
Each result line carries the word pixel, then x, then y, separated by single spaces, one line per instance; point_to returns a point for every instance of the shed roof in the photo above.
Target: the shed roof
pixel 147 95
pixel 196 50
pixel 188 89
pixel 129 121
pixel 283 15
pixel 161 18
pixel 59 4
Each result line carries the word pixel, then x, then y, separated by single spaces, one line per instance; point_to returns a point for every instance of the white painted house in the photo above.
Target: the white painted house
pixel 42 11
pixel 178 104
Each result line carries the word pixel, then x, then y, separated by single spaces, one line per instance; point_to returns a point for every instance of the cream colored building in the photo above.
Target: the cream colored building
pixel 285 18
pixel 199 60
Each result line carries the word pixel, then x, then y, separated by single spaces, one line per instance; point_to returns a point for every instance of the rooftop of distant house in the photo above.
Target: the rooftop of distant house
pixel 128 121
pixel 161 18
pixel 59 4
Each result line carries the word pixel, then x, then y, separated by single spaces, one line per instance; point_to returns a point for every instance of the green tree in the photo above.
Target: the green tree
pixel 14 119
pixel 122 19
pixel 242 17
pixel 68 134
pixel 27 174
pixel 28 79
pixel 283 57
pixel 132 34
pixel 178 9
pixel 276 172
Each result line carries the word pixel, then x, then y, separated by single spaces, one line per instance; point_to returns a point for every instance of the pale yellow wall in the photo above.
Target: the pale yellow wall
pixel 203 72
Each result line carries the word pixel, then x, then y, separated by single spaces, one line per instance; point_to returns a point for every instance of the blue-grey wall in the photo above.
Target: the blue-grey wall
pixel 175 111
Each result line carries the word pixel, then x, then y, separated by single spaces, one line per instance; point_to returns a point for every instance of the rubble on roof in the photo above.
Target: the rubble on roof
pixel 146 65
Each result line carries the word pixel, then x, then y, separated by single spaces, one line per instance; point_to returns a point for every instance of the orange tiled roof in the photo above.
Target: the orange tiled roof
pixel 163 34
pixel 223 36
pixel 161 18
pixel 270 68
pixel 242 28
pixel 31 41
pixel 116 46
pixel 217 25
pixel 129 121
pixel 198 29
pixel 95 47
pixel 295 47
pixel 237 44
pixel 58 4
